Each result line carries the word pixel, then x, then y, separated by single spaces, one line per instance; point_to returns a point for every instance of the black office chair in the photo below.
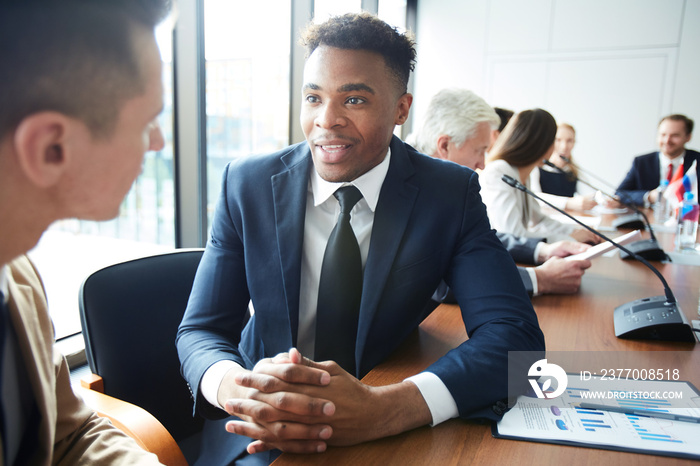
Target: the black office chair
pixel 130 313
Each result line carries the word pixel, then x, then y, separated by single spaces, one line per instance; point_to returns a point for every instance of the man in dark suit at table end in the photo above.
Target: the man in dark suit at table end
pixel 640 186
pixel 268 245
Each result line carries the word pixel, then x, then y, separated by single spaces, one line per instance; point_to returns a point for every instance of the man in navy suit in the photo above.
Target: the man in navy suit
pixel 640 186
pixel 267 244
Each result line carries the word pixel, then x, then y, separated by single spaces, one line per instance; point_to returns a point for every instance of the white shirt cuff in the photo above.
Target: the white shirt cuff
pixel 533 279
pixel 212 378
pixel 440 402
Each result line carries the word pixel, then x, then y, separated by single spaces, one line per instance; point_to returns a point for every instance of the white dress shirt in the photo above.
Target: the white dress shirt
pixel 3 282
pixel 513 211
pixel 322 210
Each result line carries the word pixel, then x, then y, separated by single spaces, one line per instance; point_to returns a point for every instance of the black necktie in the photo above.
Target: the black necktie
pixel 340 288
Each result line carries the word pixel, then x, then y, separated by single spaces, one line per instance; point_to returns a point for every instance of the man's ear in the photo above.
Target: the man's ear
pixel 403 107
pixel 40 145
pixel 443 146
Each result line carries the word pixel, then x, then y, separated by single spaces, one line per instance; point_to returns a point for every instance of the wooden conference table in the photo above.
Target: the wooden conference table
pixel 581 322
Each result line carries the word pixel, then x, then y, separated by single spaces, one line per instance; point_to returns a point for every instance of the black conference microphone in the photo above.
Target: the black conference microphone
pixel 655 318
pixel 636 221
pixel 587 172
pixel 647 248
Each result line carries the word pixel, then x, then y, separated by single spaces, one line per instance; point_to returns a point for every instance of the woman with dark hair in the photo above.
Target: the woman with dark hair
pixel 505 115
pixel 525 143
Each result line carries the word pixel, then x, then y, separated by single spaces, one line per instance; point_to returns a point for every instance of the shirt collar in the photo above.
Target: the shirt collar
pixel 666 160
pixel 3 283
pixel 369 184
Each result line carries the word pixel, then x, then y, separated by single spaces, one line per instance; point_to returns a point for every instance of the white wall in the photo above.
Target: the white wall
pixel 612 68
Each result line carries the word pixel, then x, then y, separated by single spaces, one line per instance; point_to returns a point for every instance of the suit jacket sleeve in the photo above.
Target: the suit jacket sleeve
pixel 84 438
pixel 445 295
pixel 69 433
pixel 521 248
pixel 643 176
pixel 497 313
pixel 211 327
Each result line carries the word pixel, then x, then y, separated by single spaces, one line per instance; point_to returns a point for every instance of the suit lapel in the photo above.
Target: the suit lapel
pixel 654 166
pixel 289 190
pixel 396 201
pixel 393 212
pixel 688 159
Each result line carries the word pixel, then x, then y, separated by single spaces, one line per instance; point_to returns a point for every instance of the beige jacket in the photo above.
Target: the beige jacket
pixel 69 432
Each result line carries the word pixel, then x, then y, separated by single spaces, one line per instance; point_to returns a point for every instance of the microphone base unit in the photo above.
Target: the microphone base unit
pixel 657 318
pixel 630 221
pixel 652 319
pixel 649 249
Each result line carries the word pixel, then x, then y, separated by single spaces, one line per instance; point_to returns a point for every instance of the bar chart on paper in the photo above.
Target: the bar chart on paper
pixel 562 420
pixel 644 428
pixel 591 420
pixel 647 429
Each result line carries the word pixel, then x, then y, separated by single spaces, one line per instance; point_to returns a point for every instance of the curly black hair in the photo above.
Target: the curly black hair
pixel 363 31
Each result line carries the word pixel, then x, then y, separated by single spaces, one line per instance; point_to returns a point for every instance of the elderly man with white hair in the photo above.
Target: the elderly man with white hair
pixel 457 126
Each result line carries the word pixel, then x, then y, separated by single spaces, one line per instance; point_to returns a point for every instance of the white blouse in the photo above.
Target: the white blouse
pixel 513 211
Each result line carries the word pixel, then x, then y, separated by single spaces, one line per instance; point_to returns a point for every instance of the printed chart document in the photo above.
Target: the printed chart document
pixel 561 420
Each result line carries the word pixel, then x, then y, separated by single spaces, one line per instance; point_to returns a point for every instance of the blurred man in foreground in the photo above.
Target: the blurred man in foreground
pixel 80 88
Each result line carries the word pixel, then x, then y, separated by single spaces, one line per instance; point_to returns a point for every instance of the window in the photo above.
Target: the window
pixel 247 82
pixel 324 9
pixel 394 13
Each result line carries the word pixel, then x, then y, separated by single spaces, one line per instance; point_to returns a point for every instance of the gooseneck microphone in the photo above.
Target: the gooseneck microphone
pixel 646 248
pixel 655 318
pixel 633 221
pixel 587 172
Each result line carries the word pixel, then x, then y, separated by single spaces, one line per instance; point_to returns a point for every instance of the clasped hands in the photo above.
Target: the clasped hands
pixel 294 404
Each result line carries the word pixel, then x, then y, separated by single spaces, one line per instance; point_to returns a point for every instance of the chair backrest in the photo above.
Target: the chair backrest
pixel 130 313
